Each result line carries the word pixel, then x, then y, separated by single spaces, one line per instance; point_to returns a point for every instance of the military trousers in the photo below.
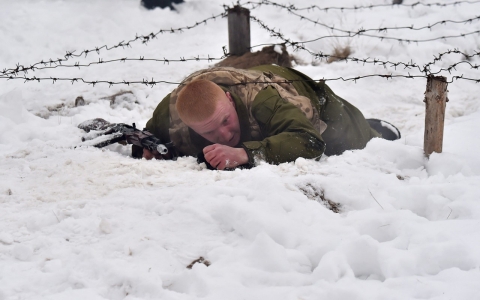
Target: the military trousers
pixel 347 128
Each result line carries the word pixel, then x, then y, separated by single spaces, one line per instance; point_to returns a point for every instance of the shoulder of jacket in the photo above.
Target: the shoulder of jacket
pixel 265 104
pixel 266 97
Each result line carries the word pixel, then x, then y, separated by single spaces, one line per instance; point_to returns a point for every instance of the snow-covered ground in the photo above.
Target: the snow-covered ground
pixel 84 223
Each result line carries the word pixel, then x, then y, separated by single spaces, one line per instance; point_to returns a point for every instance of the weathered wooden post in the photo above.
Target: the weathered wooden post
pixel 238 30
pixel 435 101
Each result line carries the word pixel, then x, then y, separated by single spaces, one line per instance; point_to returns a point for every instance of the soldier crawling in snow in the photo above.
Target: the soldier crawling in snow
pixel 218 114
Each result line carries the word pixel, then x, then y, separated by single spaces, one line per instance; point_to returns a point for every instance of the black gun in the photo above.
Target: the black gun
pixel 101 133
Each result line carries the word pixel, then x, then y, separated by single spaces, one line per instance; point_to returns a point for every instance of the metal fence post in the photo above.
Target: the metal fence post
pixel 238 30
pixel 435 101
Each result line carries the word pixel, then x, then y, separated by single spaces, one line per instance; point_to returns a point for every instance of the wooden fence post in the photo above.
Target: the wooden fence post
pixel 435 101
pixel 238 30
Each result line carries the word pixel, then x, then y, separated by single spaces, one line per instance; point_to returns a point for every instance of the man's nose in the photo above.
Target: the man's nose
pixel 224 134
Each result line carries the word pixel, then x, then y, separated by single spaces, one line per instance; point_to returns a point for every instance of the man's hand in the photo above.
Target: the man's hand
pixel 148 155
pixel 221 156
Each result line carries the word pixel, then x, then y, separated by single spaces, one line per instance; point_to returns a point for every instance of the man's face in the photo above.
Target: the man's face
pixel 223 126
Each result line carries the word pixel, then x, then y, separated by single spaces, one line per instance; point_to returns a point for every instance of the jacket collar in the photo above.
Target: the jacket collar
pixel 243 118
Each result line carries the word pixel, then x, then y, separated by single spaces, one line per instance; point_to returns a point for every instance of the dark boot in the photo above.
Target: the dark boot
pixel 387 130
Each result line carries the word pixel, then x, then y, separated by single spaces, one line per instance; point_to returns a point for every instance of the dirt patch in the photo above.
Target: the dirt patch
pixel 277 55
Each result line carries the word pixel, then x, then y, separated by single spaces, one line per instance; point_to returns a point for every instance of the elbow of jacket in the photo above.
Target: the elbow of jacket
pixel 317 147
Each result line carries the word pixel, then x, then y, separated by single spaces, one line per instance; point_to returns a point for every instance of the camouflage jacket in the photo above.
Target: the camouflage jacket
pixel 279 117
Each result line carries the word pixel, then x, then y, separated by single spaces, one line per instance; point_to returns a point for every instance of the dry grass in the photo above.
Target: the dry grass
pixel 339 53
pixel 318 194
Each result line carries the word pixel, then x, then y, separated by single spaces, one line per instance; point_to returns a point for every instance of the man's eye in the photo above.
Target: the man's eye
pixel 225 121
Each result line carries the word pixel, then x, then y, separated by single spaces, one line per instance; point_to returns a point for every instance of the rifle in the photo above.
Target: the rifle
pixel 101 133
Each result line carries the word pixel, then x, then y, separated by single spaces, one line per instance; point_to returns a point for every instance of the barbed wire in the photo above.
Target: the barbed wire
pixel 12 74
pixel 320 55
pixel 454 66
pixel 380 29
pixel 153 82
pixel 291 8
pixel 360 33
pixel 385 29
pixel 424 69
pixel 142 38
pixel 393 38
pixel 313 7
pixel 454 51
pixel 48 65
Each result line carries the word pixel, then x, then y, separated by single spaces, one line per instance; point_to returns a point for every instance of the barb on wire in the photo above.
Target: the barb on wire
pixel 326 9
pixel 144 39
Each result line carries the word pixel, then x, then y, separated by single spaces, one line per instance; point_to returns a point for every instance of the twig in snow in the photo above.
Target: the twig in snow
pixel 449 213
pixel 56 216
pixel 375 199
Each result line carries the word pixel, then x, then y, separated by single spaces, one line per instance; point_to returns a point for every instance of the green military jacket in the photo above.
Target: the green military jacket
pixel 273 128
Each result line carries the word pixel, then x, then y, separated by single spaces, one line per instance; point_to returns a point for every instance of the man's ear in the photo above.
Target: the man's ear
pixel 229 96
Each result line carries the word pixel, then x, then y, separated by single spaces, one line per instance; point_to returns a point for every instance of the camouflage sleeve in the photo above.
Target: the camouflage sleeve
pixel 160 121
pixel 288 133
pixel 157 125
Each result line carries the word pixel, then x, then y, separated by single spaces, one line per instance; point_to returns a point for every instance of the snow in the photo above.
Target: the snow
pixel 278 49
pixel 78 222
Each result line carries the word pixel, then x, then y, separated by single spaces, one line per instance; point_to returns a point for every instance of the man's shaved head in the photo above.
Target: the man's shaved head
pixel 197 100
pixel 209 111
